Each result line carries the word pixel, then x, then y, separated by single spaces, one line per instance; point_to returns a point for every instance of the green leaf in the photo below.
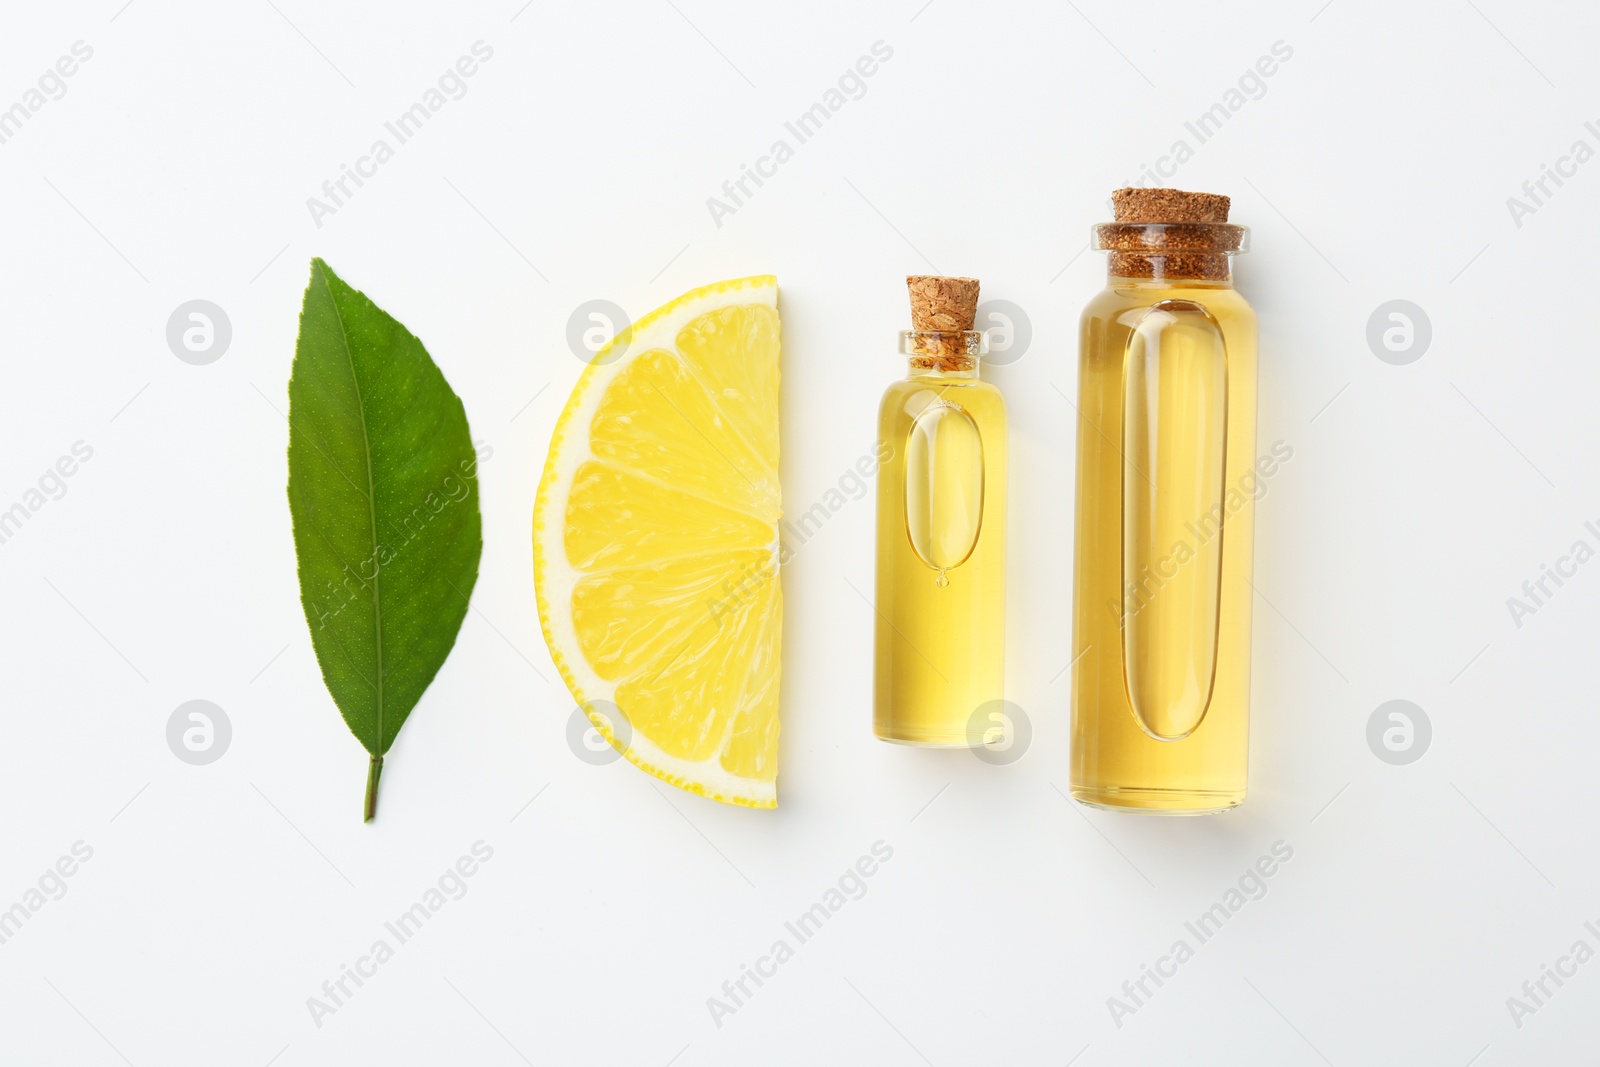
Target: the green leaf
pixel 383 490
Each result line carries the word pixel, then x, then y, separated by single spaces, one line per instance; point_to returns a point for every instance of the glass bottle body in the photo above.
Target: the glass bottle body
pixel 1166 485
pixel 940 596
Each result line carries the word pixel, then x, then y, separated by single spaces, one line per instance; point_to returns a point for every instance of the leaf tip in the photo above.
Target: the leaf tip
pixel 320 266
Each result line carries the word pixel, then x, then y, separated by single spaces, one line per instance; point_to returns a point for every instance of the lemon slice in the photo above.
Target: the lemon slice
pixel 655 542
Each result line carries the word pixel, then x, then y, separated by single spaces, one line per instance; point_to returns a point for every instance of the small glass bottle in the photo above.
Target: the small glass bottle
pixel 1165 513
pixel 940 635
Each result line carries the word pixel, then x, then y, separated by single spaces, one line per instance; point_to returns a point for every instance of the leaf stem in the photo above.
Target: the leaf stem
pixel 374 769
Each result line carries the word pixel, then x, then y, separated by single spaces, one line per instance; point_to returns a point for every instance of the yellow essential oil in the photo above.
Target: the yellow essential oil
pixel 1166 490
pixel 940 633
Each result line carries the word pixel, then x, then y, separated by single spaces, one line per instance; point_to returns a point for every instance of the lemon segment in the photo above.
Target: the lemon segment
pixel 655 542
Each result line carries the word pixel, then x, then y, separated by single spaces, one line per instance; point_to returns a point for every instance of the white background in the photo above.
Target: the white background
pixel 1375 166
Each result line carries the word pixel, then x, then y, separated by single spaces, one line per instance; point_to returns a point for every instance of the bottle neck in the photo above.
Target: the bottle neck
pixel 937 354
pixel 1171 253
pixel 1202 270
pixel 966 371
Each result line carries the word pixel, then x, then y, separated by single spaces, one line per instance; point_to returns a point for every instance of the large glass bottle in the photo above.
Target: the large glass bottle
pixel 940 633
pixel 1165 513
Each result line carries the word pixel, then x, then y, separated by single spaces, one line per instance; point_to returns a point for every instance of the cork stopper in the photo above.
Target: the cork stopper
pixel 1168 205
pixel 942 304
pixel 942 313
pixel 1170 233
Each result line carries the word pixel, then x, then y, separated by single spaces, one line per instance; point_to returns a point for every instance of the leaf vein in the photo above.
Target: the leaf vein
pixel 372 505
